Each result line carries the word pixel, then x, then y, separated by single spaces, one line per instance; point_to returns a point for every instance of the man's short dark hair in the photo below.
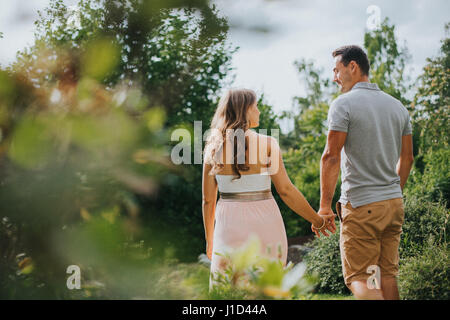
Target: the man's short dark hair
pixel 355 53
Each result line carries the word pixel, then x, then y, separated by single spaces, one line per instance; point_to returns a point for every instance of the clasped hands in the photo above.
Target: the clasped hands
pixel 327 223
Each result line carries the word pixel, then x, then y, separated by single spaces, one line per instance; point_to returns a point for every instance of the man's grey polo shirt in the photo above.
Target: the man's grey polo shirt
pixel 375 123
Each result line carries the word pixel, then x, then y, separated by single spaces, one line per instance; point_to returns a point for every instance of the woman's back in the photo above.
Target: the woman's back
pixel 257 177
pixel 247 208
pixel 257 154
pixel 246 183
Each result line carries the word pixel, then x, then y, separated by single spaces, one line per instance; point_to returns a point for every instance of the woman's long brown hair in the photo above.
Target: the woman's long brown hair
pixel 231 113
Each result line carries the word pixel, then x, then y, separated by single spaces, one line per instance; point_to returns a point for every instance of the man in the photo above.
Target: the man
pixel 372 132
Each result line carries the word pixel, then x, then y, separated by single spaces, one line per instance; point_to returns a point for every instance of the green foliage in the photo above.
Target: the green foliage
pixel 179 281
pixel 67 194
pixel 84 145
pixel 387 61
pixel 310 111
pixel 424 248
pixel 305 143
pixel 325 262
pixel 172 61
pixel 423 219
pixel 426 276
pixel 426 225
pixel 315 296
pixel 178 58
pixel 431 102
pixel 267 119
pixel 249 275
pixel 431 182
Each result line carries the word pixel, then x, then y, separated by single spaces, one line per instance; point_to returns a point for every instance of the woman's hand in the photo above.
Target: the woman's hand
pixel 327 223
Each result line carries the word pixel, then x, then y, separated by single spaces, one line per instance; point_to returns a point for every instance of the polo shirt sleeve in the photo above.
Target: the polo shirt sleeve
pixel 407 129
pixel 338 116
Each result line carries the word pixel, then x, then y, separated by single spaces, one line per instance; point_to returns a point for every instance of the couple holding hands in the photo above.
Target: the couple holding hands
pixel 369 140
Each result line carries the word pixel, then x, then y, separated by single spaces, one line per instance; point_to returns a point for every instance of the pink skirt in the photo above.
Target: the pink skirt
pixel 237 221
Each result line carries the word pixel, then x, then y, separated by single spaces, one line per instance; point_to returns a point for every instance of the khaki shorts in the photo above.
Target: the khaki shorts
pixel 370 235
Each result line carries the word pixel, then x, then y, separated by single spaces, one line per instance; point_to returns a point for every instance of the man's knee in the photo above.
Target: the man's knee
pixel 362 292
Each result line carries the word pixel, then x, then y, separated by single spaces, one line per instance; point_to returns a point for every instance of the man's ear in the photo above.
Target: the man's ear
pixel 353 66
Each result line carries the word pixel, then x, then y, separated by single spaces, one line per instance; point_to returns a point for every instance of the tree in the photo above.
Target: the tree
pixel 178 58
pixel 306 141
pixel 85 119
pixel 430 113
pixel 267 119
pixel 431 102
pixel 387 61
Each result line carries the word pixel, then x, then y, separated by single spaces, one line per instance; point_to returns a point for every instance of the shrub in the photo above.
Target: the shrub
pixel 325 262
pixel 430 177
pixel 249 275
pixel 422 220
pixel 426 225
pixel 426 275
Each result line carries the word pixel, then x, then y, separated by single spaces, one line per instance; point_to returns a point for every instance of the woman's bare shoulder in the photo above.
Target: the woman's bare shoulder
pixel 261 136
pixel 266 140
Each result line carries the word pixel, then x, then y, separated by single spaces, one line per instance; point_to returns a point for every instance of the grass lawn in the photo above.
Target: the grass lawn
pixel 319 296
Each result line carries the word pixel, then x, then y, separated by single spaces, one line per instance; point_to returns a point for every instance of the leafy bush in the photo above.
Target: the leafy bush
pixel 426 224
pixel 422 220
pixel 426 275
pixel 165 78
pixel 430 177
pixel 248 275
pixel 325 262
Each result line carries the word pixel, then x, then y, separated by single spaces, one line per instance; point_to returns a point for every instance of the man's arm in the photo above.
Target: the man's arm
pixel 406 159
pixel 329 168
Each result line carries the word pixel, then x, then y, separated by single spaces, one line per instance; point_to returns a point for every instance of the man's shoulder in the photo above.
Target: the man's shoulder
pixel 346 99
pixel 393 101
pixel 352 95
pixel 341 100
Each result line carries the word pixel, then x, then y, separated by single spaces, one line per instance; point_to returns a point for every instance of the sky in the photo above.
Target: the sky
pixel 273 34
pixel 312 30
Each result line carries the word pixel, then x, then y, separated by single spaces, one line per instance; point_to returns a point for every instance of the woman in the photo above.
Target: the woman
pixel 241 164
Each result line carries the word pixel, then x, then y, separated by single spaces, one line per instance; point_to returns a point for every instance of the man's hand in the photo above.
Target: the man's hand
pixel 329 216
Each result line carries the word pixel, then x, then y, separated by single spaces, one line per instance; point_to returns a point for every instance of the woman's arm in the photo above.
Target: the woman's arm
pixel 288 192
pixel 209 197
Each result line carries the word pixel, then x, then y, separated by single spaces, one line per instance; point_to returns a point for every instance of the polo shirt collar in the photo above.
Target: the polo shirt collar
pixel 366 85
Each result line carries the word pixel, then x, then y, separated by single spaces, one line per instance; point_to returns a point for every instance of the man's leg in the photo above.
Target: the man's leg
pixel 362 292
pixel 360 247
pixel 389 288
pixel 389 257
